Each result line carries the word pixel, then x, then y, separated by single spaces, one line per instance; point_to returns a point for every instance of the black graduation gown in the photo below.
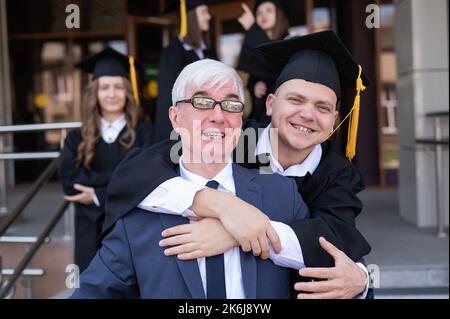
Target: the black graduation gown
pixel 251 62
pixel 173 59
pixel 89 218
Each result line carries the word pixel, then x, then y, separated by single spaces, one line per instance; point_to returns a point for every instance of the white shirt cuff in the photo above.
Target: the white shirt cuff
pixel 291 254
pixel 364 293
pixel 168 199
pixel 96 201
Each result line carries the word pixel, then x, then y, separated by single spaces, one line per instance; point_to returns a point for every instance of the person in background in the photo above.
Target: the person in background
pixel 268 22
pixel 110 128
pixel 189 46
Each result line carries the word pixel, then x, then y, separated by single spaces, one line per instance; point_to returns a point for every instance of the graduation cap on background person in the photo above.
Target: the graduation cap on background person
pixel 110 62
pixel 181 7
pixel 320 58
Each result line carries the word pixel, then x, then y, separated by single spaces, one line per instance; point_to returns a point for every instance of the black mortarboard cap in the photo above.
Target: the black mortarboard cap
pixel 108 62
pixel 174 6
pixel 317 57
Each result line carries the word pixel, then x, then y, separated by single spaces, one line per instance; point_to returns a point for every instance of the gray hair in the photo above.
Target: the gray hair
pixel 199 73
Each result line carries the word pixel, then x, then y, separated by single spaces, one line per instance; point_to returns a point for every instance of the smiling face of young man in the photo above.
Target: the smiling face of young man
pixel 304 114
pixel 207 134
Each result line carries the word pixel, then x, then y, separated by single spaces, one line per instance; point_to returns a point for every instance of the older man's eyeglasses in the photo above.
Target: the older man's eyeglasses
pixel 206 103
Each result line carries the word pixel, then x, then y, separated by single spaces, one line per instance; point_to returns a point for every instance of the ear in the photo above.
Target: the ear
pixel 269 103
pixel 336 114
pixel 173 116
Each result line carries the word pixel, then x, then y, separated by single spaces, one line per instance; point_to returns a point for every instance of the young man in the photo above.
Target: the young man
pixel 311 73
pixel 207 113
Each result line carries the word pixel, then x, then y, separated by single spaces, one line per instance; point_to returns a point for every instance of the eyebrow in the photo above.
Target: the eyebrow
pixel 232 96
pixel 206 94
pixel 200 93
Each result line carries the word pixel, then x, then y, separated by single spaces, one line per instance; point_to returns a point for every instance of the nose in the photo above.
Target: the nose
pixel 111 92
pixel 217 114
pixel 306 111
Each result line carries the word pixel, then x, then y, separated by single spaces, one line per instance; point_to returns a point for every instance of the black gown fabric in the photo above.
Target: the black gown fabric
pixel 89 218
pixel 173 59
pixel 252 62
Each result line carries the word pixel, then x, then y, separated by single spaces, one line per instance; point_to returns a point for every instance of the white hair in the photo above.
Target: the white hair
pixel 211 72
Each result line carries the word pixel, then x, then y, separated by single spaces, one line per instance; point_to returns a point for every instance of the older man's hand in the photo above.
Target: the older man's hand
pixel 246 223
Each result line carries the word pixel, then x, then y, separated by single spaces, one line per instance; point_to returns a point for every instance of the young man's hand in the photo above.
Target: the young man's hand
pixel 343 281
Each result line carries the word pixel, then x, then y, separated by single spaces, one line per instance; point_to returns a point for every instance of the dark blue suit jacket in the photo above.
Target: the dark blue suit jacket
pixel 130 263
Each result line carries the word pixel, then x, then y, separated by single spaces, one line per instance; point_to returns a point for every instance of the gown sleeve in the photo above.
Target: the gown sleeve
pixel 137 175
pixel 70 172
pixel 332 215
pixel 169 68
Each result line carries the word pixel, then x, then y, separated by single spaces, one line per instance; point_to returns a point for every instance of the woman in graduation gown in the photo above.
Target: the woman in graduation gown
pixel 188 47
pixel 267 23
pixel 110 128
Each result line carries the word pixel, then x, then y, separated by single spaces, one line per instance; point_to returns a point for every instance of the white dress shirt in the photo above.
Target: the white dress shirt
pixel 200 51
pixel 110 131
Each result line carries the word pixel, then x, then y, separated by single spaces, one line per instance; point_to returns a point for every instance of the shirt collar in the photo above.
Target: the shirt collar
pixel 224 177
pixel 308 165
pixel 118 124
pixel 188 47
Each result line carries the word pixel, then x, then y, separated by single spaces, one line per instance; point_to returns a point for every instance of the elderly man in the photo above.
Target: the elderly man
pixel 207 113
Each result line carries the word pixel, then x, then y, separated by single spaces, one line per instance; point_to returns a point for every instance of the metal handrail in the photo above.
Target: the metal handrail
pixel 30 254
pixel 34 272
pixel 21 239
pixel 8 129
pixel 28 156
pixel 17 211
pixel 38 127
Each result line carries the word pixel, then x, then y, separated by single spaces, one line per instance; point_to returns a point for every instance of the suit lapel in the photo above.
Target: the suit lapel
pixel 189 268
pixel 251 193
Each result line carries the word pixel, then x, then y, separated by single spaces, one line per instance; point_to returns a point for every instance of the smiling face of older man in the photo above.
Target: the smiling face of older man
pixel 207 112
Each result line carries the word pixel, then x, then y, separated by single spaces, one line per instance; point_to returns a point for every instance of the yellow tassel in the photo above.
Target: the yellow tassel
pixel 133 79
pixel 183 22
pixel 350 151
pixel 354 119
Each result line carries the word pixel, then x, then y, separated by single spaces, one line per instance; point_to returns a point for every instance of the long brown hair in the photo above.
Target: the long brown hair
pixel 281 27
pixel 90 130
pixel 194 35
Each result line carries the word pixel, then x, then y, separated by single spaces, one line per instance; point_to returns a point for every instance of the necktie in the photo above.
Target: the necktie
pixel 215 270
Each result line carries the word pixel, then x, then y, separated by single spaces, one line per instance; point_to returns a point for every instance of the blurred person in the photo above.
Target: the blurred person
pixel 268 22
pixel 189 46
pixel 110 128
